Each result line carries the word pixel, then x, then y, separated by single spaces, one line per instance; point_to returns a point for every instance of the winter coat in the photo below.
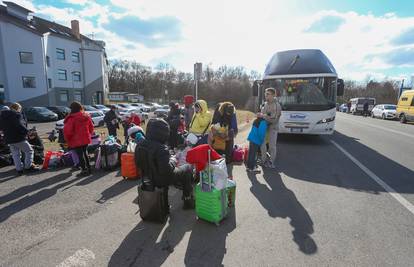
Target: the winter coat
pixel 110 118
pixel 201 120
pixel 78 129
pixel 152 155
pixel 37 144
pixel 258 132
pixel 13 125
pixel 134 119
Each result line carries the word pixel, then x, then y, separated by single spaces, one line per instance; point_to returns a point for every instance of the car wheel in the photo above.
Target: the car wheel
pixel 372 115
pixel 383 116
pixel 403 119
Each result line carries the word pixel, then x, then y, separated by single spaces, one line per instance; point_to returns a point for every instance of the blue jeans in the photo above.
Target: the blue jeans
pixel 251 160
pixel 16 150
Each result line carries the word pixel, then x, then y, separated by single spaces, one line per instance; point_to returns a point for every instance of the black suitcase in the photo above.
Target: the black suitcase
pixel 153 203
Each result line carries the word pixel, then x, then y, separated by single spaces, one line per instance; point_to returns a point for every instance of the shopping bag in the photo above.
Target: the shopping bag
pixel 52 159
pixel 219 173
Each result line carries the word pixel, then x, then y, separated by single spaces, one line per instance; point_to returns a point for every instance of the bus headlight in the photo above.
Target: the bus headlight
pixel 326 120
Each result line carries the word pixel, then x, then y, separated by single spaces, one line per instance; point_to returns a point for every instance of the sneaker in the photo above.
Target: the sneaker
pixel 19 173
pixel 256 170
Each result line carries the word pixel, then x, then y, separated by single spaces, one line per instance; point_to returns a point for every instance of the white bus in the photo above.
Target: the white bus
pixel 307 86
pixel 357 104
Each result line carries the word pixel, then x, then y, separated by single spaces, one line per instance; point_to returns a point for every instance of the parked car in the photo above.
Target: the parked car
pixel 385 111
pixel 102 108
pixel 89 108
pixel 357 104
pixel 142 107
pixel 142 115
pixel 40 114
pixel 343 108
pixel 97 119
pixel 61 111
pixel 161 112
pixel 405 107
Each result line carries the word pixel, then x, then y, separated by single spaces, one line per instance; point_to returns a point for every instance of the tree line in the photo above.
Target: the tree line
pixel 385 92
pixel 165 83
pixel 226 83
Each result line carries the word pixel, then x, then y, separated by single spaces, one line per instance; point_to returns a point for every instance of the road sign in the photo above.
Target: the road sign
pixel 198 70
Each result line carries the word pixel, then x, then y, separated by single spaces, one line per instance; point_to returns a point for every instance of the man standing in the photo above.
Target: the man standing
pixel 15 135
pixel 111 120
pixel 271 112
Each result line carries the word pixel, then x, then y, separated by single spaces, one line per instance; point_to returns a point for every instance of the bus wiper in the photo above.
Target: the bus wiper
pixel 295 60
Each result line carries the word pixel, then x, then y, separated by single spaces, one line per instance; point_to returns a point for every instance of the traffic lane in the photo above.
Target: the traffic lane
pixel 34 208
pixel 352 215
pixel 317 208
pixel 388 155
pixel 392 126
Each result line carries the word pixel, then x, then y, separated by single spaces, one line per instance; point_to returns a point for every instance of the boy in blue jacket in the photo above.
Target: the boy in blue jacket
pixel 256 138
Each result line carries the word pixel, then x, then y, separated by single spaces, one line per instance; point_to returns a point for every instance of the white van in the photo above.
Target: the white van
pixel 357 104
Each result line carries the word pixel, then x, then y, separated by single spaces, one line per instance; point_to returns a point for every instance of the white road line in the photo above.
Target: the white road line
pixel 381 128
pixel 82 257
pixel 374 177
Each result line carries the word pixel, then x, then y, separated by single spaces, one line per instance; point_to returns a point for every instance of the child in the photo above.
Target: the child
pixel 37 145
pixel 256 138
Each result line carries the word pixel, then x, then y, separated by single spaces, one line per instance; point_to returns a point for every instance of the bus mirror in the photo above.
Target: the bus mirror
pixel 255 88
pixel 340 88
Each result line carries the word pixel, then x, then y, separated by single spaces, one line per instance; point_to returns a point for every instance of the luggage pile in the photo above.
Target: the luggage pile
pixel 215 194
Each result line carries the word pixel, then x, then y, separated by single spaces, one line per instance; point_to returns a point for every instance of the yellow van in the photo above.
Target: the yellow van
pixel 405 107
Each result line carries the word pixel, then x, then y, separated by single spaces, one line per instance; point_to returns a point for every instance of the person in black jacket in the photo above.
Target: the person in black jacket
pixel 174 119
pixel 112 121
pixel 154 160
pixel 37 145
pixel 15 133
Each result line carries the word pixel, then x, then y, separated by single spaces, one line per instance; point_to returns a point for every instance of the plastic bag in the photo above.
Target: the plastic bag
pixel 52 159
pixel 219 173
pixel 131 147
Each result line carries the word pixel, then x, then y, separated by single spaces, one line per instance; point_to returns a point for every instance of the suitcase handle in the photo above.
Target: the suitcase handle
pixel 209 169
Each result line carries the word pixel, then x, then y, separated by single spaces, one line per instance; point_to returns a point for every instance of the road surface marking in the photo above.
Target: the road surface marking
pixel 81 258
pixel 381 128
pixel 374 177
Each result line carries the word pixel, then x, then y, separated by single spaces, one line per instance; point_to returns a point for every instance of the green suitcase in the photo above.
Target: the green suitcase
pixel 210 204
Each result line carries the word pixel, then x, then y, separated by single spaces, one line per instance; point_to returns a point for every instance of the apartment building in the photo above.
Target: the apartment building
pixel 43 63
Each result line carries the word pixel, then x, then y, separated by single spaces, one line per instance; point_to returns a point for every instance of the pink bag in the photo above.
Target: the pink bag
pixel 238 154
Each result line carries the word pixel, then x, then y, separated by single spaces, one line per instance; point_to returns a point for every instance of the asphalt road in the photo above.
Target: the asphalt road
pixel 341 200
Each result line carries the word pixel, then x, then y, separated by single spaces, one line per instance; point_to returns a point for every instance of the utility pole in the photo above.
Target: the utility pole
pixel 198 67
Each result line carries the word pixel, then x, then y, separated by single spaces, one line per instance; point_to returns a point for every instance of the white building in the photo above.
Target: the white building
pixel 45 64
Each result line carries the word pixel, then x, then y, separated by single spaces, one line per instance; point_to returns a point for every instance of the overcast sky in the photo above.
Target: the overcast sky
pixel 362 38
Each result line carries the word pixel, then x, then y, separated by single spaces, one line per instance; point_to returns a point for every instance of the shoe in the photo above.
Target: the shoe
pixel 19 173
pixel 83 173
pixel 256 170
pixel 32 168
pixel 269 165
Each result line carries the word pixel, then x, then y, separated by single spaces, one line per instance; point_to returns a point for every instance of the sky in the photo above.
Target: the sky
pixel 364 39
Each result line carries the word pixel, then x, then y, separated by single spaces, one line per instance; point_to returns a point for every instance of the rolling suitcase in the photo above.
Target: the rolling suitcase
pixel 210 204
pixel 153 203
pixel 129 169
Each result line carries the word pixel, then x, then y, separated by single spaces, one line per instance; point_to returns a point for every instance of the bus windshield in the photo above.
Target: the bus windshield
pixel 305 94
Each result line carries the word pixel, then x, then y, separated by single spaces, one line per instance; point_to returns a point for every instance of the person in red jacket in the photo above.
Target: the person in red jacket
pixel 78 128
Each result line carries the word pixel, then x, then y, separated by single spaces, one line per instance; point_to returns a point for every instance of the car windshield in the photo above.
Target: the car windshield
pixel 100 106
pixel 305 93
pixel 364 100
pixel 42 110
pixel 89 108
pixel 391 107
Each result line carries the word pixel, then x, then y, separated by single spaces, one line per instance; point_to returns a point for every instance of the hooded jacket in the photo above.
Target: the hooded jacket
pixel 13 125
pixel 78 128
pixel 201 120
pixel 152 155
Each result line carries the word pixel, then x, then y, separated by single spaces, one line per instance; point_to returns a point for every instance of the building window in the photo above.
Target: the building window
pixel 76 76
pixel 29 82
pixel 75 57
pixel 60 54
pixel 77 96
pixel 64 96
pixel 49 82
pixel 62 75
pixel 48 61
pixel 26 57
